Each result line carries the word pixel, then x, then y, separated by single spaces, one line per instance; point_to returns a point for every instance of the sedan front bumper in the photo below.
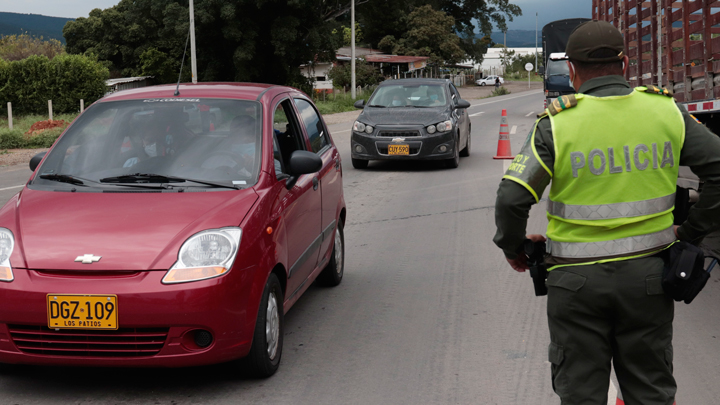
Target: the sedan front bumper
pixel 422 147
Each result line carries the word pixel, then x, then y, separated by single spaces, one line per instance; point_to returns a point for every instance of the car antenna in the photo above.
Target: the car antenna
pixel 177 89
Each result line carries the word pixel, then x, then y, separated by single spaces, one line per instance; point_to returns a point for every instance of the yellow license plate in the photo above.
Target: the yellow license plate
pixel 82 311
pixel 398 149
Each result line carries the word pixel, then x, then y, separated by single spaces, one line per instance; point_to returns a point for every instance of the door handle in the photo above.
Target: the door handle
pixel 316 182
pixel 337 163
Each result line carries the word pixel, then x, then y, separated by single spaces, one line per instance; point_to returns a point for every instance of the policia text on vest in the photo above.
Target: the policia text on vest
pixel 597 162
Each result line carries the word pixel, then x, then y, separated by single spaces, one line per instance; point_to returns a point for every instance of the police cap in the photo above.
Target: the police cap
pixel 592 36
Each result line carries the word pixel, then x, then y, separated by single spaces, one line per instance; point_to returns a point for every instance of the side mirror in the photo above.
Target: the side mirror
pixel 360 104
pixel 302 162
pixel 462 104
pixel 35 161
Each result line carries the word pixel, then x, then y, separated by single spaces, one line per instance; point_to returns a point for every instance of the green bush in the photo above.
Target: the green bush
pixel 29 83
pixel 15 139
pixel 500 91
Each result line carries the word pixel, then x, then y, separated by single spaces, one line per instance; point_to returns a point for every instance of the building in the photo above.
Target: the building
pixel 124 83
pixel 492 65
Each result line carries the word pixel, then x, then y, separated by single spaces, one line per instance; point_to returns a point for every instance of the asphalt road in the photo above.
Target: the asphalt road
pixel 428 313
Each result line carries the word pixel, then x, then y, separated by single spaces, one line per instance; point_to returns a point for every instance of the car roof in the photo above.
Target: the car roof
pixel 244 91
pixel 418 80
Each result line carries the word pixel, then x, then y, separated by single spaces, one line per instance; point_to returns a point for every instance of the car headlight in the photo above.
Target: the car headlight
pixel 369 129
pixel 358 126
pixel 205 255
pixel 431 129
pixel 444 126
pixel 7 244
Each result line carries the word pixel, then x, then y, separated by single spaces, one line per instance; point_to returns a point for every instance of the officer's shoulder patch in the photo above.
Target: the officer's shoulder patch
pixel 656 90
pixel 543 114
pixel 562 103
pixel 695 118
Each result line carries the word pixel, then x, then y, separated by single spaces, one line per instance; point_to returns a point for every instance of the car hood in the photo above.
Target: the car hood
pixel 403 115
pixel 129 231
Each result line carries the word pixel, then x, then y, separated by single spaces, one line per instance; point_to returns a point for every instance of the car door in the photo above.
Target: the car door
pixel 301 212
pixel 463 122
pixel 330 175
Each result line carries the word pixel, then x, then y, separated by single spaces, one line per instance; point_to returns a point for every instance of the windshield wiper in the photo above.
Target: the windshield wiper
pixel 376 105
pixel 64 178
pixel 144 178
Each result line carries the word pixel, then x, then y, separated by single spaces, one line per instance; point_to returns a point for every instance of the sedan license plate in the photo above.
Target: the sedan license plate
pixel 82 311
pixel 398 149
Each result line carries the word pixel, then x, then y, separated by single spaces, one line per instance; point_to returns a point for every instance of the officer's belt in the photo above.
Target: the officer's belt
pixel 611 211
pixel 633 244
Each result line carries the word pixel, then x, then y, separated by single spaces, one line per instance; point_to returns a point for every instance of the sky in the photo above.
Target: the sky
pixel 548 10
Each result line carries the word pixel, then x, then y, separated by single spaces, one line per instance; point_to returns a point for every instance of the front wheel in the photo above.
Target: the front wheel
pixel 466 151
pixel 332 274
pixel 454 161
pixel 266 350
pixel 359 163
pixel 482 84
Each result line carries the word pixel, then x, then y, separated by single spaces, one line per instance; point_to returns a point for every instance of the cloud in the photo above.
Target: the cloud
pixel 55 8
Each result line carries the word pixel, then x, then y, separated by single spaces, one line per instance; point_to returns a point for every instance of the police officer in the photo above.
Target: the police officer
pixel 611 156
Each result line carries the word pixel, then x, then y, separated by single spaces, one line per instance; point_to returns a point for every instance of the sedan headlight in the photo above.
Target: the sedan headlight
pixel 441 127
pixel 7 244
pixel 205 255
pixel 358 126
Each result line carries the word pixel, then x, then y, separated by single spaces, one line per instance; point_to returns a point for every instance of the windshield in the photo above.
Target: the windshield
pixel 557 68
pixel 215 140
pixel 424 95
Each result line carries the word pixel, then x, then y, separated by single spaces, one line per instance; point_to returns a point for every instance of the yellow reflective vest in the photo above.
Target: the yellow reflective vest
pixel 613 182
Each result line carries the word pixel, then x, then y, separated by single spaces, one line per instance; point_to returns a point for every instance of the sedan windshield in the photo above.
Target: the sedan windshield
pixel 396 95
pixel 196 142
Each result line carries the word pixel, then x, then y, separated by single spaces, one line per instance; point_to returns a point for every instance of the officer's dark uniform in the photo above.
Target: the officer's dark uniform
pixel 615 311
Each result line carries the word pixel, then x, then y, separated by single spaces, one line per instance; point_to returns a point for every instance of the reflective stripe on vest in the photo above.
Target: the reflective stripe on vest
pixel 590 250
pixel 611 211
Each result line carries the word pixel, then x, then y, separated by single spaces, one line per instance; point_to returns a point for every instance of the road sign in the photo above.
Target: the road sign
pixel 529 67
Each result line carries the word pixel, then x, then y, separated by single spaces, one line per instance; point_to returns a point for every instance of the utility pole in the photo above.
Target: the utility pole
pixel 193 63
pixel 353 92
pixel 536 53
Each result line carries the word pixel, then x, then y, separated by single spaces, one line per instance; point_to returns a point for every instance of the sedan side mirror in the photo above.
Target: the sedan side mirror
pixel 35 161
pixel 302 162
pixel 462 104
pixel 360 104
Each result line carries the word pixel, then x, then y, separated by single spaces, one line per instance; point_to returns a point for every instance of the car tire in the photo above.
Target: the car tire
pixel 482 84
pixel 466 151
pixel 332 274
pixel 454 161
pixel 266 350
pixel 359 163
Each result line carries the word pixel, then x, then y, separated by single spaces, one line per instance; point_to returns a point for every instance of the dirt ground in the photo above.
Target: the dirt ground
pixel 476 92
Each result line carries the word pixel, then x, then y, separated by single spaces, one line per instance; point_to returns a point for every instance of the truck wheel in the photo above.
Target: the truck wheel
pixel 266 350
pixel 332 274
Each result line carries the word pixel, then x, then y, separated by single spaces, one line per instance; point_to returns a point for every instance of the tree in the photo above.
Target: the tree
pixel 431 35
pixel 18 47
pixel 347 34
pixel 365 74
pixel 389 17
pixel 506 56
pixel 237 40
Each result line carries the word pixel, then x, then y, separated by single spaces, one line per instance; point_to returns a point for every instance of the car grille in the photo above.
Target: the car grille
pixel 124 342
pixel 406 134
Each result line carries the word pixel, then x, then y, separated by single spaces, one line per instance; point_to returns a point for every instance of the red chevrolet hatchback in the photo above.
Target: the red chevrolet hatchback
pixel 170 229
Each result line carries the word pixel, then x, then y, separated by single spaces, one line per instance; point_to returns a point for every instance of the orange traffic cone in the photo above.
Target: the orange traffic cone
pixel 503 151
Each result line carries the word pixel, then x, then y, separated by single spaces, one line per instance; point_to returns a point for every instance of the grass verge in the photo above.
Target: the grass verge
pixel 17 139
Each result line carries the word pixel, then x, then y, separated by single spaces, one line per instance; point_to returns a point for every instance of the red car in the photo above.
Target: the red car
pixel 172 229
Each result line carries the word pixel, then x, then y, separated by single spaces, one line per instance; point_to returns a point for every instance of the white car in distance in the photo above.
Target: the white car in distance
pixel 489 81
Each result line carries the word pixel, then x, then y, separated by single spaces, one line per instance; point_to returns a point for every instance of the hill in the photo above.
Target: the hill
pixel 33 24
pixel 518 38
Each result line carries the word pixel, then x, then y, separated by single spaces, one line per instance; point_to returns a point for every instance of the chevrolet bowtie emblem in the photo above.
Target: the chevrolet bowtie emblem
pixel 88 259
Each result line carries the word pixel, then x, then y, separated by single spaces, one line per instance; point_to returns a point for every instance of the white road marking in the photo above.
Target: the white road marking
pixel 531 113
pixel 478 113
pixel 525 94
pixel 11 187
pixel 612 394
pixel 506 165
pixel 513 130
pixel 340 132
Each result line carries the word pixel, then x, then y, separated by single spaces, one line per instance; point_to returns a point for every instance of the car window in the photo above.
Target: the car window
pixel 287 135
pixel 313 125
pixel 454 92
pixel 202 139
pixel 410 95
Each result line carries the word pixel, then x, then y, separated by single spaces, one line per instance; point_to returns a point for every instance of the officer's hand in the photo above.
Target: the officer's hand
pixel 675 228
pixel 519 264
pixel 536 238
